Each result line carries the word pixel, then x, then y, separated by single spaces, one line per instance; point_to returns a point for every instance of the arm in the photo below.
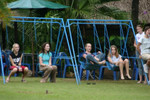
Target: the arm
pixel 50 61
pixel 135 44
pixel 41 62
pixel 20 60
pixel 12 62
pixel 110 60
pixel 138 48
pixel 84 56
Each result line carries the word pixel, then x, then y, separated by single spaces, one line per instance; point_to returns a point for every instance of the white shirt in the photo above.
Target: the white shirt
pixel 139 35
pixel 145 45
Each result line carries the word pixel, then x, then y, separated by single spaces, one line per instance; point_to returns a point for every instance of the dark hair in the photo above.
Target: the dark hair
pixel 87 44
pixel 43 47
pixel 146 28
pixel 139 25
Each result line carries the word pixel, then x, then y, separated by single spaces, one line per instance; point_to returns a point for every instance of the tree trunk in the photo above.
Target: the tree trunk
pixel 135 12
pixel 15 32
pixel 3 36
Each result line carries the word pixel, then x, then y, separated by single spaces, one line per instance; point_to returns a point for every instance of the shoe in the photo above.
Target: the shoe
pixel 145 68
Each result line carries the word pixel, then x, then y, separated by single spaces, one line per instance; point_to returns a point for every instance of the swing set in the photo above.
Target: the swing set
pixel 77 23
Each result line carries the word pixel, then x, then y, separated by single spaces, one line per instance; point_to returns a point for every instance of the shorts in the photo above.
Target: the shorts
pixel 146 56
pixel 12 67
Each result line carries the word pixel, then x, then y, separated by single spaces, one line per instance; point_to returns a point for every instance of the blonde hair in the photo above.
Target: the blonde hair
pixel 14 46
pixel 110 53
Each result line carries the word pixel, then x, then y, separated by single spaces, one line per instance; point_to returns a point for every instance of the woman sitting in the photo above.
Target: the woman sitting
pixel 15 59
pixel 115 60
pixel 45 60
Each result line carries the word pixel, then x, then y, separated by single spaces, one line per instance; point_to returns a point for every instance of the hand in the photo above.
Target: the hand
pixel 14 65
pixel 20 69
pixel 98 52
pixel 116 63
pixel 140 56
pixel 91 62
pixel 50 66
pixel 19 64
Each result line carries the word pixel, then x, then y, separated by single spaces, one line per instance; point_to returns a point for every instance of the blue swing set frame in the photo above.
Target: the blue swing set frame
pixel 69 23
pixel 94 22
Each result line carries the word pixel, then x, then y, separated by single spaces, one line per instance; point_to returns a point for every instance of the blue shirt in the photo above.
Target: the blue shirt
pixel 45 57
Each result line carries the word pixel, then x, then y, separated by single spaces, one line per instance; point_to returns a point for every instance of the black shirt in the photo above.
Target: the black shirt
pixel 15 58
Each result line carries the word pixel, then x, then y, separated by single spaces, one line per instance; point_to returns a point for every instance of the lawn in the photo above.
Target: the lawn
pixel 67 89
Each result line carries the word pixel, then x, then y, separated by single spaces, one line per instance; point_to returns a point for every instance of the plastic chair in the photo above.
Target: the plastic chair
pixel 5 63
pixel 101 75
pixel 67 64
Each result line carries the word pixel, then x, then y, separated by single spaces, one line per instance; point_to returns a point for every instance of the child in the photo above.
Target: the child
pixel 93 59
pixel 139 35
pixel 45 60
pixel 15 59
pixel 144 49
pixel 115 59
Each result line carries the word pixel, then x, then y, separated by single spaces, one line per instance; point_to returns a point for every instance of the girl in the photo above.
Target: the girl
pixel 144 49
pixel 139 35
pixel 45 60
pixel 15 59
pixel 115 59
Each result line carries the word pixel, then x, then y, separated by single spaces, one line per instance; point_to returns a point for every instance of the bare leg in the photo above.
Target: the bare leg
pixel 149 73
pixel 145 81
pixel 121 69
pixel 126 62
pixel 148 63
pixel 11 73
pixel 25 73
pixel 140 79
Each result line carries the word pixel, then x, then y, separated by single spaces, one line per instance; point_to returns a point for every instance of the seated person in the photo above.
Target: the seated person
pixel 15 59
pixel 93 59
pixel 45 60
pixel 115 60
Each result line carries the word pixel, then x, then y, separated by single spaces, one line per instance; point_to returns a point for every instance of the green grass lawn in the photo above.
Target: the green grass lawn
pixel 67 89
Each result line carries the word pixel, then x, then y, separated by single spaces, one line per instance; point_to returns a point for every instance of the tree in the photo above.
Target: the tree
pixel 4 19
pixel 135 12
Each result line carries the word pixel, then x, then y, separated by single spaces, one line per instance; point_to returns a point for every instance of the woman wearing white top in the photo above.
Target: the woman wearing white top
pixel 115 59
pixel 144 49
pixel 139 35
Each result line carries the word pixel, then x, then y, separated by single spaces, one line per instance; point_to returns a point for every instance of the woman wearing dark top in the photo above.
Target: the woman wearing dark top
pixel 15 59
